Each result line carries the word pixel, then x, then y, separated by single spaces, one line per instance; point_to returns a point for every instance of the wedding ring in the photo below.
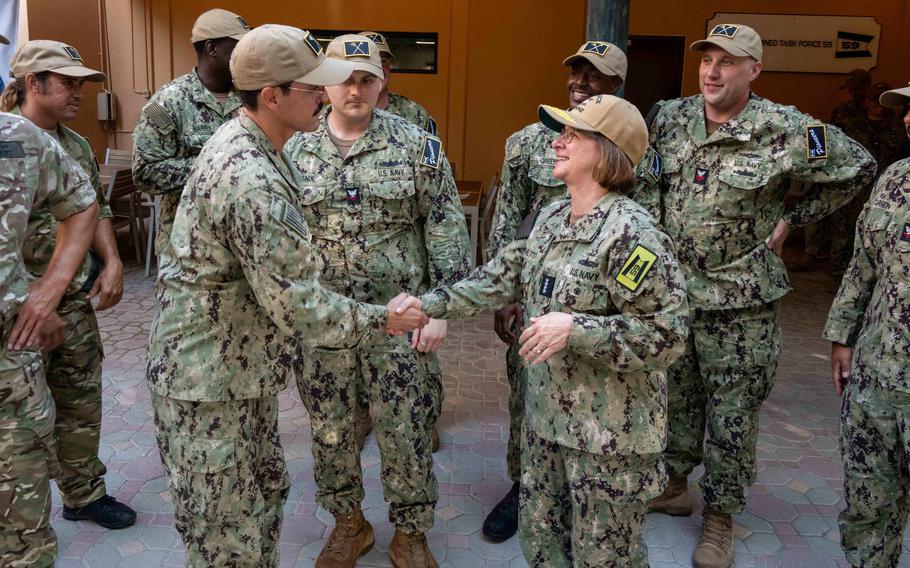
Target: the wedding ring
pixel 423 343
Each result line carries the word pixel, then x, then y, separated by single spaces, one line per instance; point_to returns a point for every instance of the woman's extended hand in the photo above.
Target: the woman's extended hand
pixel 546 335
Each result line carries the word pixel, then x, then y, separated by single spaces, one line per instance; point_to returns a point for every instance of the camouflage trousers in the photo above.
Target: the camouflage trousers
pixel 584 510
pixel 518 381
pixel 27 462
pixel 400 384
pixel 715 391
pixel 74 378
pixel 875 445
pixel 227 478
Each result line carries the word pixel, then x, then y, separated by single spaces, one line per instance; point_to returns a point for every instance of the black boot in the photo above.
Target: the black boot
pixel 502 522
pixel 106 511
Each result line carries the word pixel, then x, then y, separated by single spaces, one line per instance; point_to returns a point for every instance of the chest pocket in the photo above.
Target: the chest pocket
pixel 582 295
pixel 673 193
pixel 739 193
pixel 392 202
pixel 883 238
pixel 196 140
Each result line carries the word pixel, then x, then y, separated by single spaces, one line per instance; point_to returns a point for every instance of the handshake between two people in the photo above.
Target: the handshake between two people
pixel 405 314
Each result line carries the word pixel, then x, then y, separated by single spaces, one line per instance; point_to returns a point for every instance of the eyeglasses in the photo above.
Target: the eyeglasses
pixel 320 90
pixel 568 135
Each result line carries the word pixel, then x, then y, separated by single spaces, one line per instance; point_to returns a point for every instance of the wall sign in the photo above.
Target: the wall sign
pixel 811 44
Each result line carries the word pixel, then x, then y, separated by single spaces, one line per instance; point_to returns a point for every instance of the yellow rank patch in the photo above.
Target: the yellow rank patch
pixel 636 267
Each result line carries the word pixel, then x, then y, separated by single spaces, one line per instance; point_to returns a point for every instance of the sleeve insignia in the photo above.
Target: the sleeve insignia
pixel 287 215
pixel 431 126
pixel 9 150
pixel 432 151
pixel 656 165
pixel 817 142
pixel 513 149
pixel 636 267
pixel 159 117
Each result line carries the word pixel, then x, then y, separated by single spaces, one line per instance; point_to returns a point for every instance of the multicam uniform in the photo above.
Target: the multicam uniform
pixel 177 121
pixel 870 314
pixel 35 172
pixel 719 198
pixel 386 218
pixel 240 295
pixel 596 415
pixel 412 111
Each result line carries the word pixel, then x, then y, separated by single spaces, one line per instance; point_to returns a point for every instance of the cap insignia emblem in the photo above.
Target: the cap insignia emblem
pixel 72 53
pixel 724 30
pixel 356 48
pixel 313 43
pixel 377 38
pixel 596 47
pixel 242 22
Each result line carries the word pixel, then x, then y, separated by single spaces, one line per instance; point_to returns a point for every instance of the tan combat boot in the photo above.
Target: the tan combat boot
pixel 715 545
pixel 351 538
pixel 411 551
pixel 364 425
pixel 675 499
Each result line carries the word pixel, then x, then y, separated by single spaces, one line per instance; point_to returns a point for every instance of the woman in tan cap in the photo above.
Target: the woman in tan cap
pixel 605 315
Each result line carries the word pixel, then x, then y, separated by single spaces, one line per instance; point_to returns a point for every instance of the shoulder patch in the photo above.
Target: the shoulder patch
pixel 431 126
pixel 10 150
pixel 287 215
pixel 527 225
pixel 656 165
pixel 159 117
pixel 636 267
pixel 817 142
pixel 513 148
pixel 432 150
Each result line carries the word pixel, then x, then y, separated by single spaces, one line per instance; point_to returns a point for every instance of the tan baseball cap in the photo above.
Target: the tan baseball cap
pixel 735 39
pixel 380 42
pixel 218 23
pixel 895 97
pixel 615 118
pixel 606 57
pixel 40 55
pixel 3 40
pixel 273 55
pixel 356 49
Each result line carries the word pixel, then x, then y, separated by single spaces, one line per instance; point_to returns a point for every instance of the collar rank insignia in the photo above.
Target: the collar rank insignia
pixel 431 126
pixel 656 166
pixel 377 39
pixel 817 142
pixel 701 175
pixel 72 53
pixel 636 267
pixel 356 49
pixel 313 43
pixel 432 151
pixel 596 47
pixel 905 234
pixel 724 30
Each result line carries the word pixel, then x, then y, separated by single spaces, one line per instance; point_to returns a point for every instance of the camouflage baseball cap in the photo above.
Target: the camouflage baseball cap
pixel 356 49
pixel 40 55
pixel 615 118
pixel 735 39
pixel 380 42
pixel 273 55
pixel 606 57
pixel 3 40
pixel 895 97
pixel 218 23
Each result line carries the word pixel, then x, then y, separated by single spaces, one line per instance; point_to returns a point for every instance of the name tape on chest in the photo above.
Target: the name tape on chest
pixel 656 166
pixel 11 150
pixel 636 267
pixel 432 150
pixel 817 142
pixel 159 117
pixel 905 234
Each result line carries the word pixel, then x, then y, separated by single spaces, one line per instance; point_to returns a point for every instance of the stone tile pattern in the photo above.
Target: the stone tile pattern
pixel 790 520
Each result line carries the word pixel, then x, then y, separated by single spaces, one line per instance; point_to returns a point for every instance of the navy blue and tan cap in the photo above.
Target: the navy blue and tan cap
pixel 39 55
pixel 615 118
pixel 358 50
pixel 736 39
pixel 606 57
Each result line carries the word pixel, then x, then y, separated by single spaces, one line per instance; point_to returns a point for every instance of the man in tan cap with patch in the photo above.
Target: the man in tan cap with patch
pixel 597 68
pixel 47 90
pixel 384 213
pixel 238 297
pixel 726 158
pixel 410 110
pixel 182 115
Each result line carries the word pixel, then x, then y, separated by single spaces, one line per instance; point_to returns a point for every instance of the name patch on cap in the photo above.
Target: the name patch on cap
pixel 432 148
pixel 905 234
pixel 596 47
pixel 313 43
pixel 656 166
pixel 724 30
pixel 817 142
pixel 72 53
pixel 431 126
pixel 636 267
pixel 356 48
pixel 10 150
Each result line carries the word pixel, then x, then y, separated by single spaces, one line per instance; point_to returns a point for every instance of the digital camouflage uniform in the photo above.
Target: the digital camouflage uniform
pixel 596 411
pixel 719 198
pixel 871 314
pixel 239 296
pixel 173 126
pixel 35 172
pixel 412 111
pixel 73 369
pixel 385 219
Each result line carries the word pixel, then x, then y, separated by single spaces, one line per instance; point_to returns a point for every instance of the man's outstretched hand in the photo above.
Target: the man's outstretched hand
pixel 405 314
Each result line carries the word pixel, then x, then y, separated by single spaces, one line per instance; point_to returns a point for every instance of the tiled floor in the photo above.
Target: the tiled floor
pixel 790 520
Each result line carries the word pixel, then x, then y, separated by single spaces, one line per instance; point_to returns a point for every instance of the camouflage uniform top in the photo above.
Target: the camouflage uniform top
pixel 848 113
pixel 720 196
pixel 35 172
pixel 527 182
pixel 241 289
pixel 385 218
pixel 177 121
pixel 872 308
pixel 412 111
pixel 42 225
pixel 615 272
